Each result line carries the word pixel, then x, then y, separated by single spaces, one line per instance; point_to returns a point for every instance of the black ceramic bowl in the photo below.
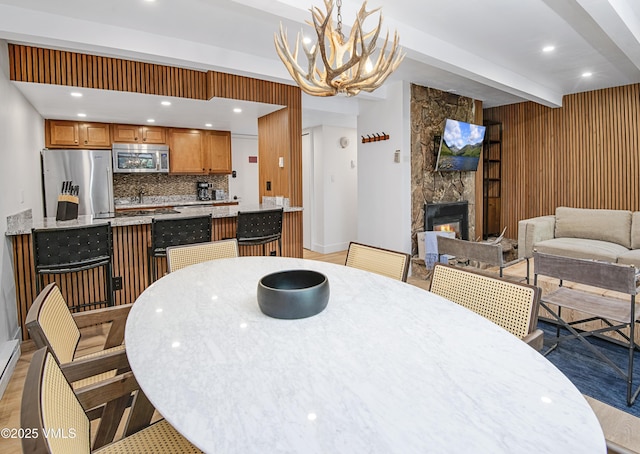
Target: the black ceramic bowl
pixel 293 294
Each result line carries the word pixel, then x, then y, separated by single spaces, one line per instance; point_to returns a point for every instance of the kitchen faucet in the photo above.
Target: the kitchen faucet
pixel 140 194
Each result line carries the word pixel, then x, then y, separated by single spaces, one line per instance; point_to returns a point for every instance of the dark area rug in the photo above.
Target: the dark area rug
pixel 589 373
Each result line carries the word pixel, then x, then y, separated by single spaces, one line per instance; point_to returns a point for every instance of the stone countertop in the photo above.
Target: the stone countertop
pixel 164 201
pixel 24 226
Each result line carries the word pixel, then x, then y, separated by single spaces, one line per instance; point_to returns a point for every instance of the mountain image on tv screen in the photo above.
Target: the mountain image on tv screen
pixel 460 146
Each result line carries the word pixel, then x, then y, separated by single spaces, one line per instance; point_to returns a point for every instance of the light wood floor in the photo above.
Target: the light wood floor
pixel 618 426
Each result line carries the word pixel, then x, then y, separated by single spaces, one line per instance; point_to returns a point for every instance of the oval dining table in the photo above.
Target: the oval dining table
pixel 387 367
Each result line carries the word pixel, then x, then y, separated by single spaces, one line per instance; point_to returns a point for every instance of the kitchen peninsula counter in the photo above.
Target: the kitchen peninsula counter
pixel 24 226
pixel 131 240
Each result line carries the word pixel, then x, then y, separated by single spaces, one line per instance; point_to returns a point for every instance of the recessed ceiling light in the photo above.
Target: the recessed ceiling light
pixel 548 48
pixel 208 125
pixel 166 103
pixel 587 74
pixel 151 120
pixel 82 114
pixel 76 94
pixel 237 110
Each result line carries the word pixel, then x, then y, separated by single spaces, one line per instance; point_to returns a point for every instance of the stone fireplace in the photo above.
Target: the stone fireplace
pixel 429 110
pixel 447 217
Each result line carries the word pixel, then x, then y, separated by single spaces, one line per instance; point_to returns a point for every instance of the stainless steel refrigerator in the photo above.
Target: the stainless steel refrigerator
pixel 91 170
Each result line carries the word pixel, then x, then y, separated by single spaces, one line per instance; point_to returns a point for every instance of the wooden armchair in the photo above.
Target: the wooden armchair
pixel 616 315
pixel 51 324
pixel 386 262
pixel 488 253
pixel 50 407
pixel 181 256
pixel 511 305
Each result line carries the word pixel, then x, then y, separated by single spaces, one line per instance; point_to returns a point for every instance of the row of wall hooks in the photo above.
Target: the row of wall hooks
pixel 375 137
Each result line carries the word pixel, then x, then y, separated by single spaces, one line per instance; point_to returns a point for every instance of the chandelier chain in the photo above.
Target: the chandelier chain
pixel 339 17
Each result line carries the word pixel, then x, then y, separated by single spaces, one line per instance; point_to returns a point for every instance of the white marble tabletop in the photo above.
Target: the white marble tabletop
pixel 386 368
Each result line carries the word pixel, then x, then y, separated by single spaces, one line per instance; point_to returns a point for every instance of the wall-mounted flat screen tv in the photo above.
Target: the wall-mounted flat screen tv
pixel 460 147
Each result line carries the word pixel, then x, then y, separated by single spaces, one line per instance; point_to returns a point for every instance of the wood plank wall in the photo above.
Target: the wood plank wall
pixel 130 261
pixel 584 154
pixel 48 66
pixel 290 144
pixel 274 134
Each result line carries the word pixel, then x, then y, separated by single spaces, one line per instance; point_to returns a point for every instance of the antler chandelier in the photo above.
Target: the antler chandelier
pixel 345 67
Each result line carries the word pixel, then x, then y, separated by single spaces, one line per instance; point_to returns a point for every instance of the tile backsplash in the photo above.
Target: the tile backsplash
pixel 160 184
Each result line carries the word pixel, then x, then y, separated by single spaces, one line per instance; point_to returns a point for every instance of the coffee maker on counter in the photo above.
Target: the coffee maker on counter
pixel 203 190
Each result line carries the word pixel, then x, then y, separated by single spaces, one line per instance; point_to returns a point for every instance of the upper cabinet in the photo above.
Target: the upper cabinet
pixel 217 150
pixel 73 134
pixel 192 151
pixel 185 148
pixel 198 152
pixel 139 134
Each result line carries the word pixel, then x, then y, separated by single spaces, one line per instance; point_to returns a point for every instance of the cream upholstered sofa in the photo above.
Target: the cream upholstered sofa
pixel 609 235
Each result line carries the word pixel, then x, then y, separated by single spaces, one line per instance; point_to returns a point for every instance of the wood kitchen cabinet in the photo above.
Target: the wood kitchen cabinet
pixel 186 151
pixel 74 134
pixel 197 152
pixel 139 134
pixel 217 151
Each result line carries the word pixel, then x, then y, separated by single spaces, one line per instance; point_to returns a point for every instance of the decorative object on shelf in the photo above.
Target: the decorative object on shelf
pixel 362 70
pixel 293 294
pixel 375 137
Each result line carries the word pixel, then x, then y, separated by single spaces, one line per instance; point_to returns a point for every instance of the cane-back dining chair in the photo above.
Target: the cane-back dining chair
pixel 179 257
pixel 386 262
pixel 52 325
pixel 56 413
pixel 511 305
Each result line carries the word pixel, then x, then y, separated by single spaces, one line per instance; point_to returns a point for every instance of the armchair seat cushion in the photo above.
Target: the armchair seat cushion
pixel 581 248
pixel 631 257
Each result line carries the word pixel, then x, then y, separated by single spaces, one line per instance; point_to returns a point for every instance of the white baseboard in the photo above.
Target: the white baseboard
pixel 9 355
pixel 330 249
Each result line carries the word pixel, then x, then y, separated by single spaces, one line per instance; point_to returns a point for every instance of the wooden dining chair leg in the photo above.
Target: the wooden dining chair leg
pixel 141 413
pixel 110 420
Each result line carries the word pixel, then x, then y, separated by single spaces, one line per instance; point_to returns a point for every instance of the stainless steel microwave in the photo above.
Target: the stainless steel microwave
pixel 140 158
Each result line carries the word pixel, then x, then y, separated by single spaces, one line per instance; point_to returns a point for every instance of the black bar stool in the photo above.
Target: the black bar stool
pixel 175 232
pixel 72 250
pixel 260 227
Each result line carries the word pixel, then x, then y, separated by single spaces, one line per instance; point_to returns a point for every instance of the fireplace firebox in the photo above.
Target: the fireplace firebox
pixel 450 216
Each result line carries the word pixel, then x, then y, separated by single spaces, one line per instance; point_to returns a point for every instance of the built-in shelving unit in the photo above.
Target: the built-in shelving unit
pixel 492 178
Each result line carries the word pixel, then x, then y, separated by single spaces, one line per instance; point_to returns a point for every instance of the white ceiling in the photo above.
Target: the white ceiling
pixel 489 50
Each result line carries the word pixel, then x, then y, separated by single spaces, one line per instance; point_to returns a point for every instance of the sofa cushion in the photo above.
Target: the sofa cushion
pixel 631 257
pixel 635 230
pixel 581 248
pixel 613 226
